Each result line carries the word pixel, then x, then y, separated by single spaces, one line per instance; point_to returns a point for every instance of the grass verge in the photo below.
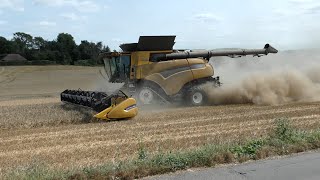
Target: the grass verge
pixel 283 140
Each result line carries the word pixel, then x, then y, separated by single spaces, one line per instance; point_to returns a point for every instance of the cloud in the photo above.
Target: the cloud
pixel 3 22
pixel 106 7
pixel 283 12
pixel 47 23
pixel 73 16
pixel 295 2
pixel 87 6
pixel 16 5
pixel 207 17
pixel 306 6
pixel 51 3
pixel 313 10
pixel 79 5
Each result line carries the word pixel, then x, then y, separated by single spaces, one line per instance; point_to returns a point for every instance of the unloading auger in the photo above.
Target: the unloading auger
pixel 114 106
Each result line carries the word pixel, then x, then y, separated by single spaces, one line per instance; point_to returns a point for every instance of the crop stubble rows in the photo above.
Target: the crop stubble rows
pixel 60 136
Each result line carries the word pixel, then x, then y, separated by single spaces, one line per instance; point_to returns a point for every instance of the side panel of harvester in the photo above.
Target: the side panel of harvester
pixel 171 76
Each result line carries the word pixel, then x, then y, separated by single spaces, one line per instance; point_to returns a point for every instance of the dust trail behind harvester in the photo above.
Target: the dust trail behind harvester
pixel 292 76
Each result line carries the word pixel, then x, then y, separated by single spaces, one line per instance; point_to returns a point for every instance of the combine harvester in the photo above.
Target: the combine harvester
pixel 153 71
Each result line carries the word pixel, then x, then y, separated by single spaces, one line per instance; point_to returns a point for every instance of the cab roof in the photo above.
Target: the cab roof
pixel 150 43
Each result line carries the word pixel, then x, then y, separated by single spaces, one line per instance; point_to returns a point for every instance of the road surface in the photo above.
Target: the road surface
pixel 304 166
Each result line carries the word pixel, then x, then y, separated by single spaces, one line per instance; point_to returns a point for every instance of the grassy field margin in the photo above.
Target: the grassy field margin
pixel 283 140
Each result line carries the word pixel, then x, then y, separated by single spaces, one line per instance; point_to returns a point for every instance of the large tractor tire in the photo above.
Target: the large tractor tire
pixel 146 95
pixel 197 97
pixel 151 93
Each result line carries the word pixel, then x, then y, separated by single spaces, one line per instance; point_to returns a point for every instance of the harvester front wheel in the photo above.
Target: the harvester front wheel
pixel 198 97
pixel 146 95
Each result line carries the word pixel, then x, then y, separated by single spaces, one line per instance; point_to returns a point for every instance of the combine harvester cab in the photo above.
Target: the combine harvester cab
pixel 109 107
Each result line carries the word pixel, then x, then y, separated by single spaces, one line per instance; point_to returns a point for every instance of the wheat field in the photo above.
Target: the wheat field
pixel 42 129
pixel 68 138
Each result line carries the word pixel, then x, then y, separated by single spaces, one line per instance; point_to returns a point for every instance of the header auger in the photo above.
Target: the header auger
pixel 115 106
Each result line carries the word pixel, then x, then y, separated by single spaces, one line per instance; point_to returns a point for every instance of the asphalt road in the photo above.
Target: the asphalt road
pixel 305 166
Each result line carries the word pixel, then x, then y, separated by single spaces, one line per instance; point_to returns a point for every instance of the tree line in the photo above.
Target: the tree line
pixel 62 50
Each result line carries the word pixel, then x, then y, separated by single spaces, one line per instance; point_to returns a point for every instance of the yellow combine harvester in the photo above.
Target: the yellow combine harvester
pixel 153 71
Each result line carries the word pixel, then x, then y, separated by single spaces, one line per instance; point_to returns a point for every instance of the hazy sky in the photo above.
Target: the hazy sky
pixel 203 24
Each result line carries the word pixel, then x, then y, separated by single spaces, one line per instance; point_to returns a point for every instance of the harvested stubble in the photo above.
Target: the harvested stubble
pixel 60 138
pixel 28 113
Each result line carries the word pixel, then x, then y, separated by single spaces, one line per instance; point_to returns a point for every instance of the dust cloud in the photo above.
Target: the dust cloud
pixel 102 83
pixel 290 76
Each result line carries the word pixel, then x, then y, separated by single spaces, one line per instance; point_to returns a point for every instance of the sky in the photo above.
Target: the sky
pixel 198 24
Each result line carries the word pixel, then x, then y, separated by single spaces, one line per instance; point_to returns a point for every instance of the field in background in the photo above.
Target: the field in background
pixel 36 127
pixel 26 81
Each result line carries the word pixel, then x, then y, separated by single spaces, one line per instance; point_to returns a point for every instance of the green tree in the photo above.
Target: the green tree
pixel 67 46
pixel 5 46
pixel 85 50
pixel 53 53
pixel 63 50
pixel 22 41
pixel 38 43
pixel 99 46
pixel 90 51
pixel 106 49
